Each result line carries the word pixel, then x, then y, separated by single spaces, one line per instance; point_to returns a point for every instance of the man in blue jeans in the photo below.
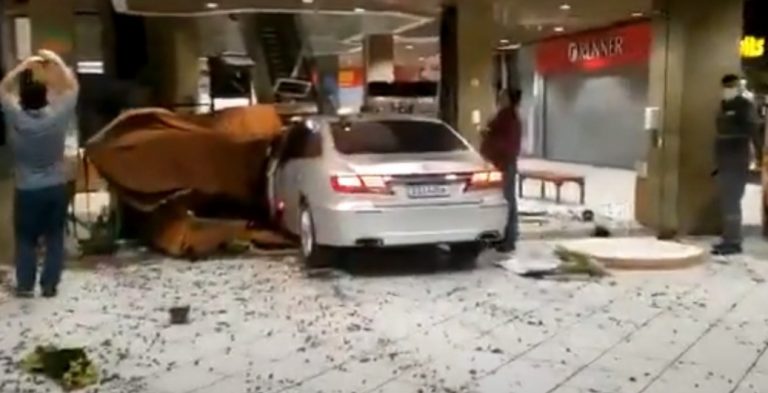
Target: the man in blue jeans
pixel 39 116
pixel 502 149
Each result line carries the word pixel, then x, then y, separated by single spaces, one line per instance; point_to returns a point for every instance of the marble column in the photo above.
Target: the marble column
pixel 695 43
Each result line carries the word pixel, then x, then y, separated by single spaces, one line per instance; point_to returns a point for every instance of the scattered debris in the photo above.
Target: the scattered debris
pixel 69 367
pixel 179 315
pixel 601 232
pixel 567 265
pixel 102 239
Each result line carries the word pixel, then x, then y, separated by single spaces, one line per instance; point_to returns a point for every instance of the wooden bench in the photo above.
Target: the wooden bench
pixel 556 178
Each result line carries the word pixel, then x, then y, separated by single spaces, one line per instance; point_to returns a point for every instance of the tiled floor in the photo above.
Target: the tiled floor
pixel 261 325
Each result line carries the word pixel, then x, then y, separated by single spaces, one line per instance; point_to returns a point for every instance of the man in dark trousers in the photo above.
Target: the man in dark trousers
pixel 39 116
pixel 501 146
pixel 736 125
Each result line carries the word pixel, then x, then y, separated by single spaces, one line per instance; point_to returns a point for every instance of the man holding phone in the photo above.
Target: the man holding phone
pixel 39 98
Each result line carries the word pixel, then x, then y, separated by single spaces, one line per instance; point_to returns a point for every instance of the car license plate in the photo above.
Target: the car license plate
pixel 428 191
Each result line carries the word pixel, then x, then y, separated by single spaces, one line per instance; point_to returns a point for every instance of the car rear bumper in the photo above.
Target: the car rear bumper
pixel 403 226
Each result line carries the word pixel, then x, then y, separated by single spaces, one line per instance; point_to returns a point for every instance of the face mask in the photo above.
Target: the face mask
pixel 730 93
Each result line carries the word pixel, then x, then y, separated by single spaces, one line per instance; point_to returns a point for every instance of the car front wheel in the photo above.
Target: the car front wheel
pixel 313 255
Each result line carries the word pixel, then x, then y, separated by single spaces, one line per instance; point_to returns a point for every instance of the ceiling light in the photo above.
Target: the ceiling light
pixel 504 41
pixel 307 1
pixel 212 6
pixel 409 47
pixel 510 46
pixel 559 29
pixel 565 7
pixel 359 9
pixel 637 14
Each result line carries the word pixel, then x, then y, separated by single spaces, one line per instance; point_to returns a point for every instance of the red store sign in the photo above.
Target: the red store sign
pixel 595 50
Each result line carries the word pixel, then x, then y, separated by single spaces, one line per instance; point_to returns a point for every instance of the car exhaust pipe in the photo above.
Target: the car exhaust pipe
pixel 490 237
pixel 369 243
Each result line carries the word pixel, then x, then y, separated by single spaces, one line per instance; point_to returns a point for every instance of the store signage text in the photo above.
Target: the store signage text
pixel 595 50
pixel 752 47
pixel 605 48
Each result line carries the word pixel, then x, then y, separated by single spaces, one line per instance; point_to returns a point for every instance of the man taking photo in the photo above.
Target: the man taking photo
pixel 39 113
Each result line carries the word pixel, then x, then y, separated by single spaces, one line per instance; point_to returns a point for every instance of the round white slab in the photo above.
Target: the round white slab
pixel 638 253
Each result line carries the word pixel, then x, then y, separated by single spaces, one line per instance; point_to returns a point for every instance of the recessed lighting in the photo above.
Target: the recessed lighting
pixel 409 47
pixel 307 1
pixel 565 7
pixel 559 29
pixel 211 6
pixel 637 14
pixel 514 46
pixel 359 9
pixel 504 41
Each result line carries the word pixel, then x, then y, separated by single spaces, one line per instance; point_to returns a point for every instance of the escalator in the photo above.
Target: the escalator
pixel 281 41
pixel 280 49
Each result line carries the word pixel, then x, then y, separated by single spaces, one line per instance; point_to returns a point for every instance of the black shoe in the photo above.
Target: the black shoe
pixel 506 248
pixel 25 294
pixel 50 292
pixel 724 250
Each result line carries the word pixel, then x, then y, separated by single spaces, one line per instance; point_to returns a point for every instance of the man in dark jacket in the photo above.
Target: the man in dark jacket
pixel 736 125
pixel 503 138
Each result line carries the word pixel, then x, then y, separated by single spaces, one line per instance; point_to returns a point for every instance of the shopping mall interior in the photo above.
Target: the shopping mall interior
pixel 231 228
pixel 595 75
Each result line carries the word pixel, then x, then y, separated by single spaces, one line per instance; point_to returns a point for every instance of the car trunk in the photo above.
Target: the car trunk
pixel 421 179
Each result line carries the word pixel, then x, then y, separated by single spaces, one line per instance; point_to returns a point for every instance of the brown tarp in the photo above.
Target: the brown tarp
pixel 167 165
pixel 158 153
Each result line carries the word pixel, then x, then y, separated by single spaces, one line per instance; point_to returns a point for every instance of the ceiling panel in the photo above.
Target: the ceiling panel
pixel 429 7
pixel 518 20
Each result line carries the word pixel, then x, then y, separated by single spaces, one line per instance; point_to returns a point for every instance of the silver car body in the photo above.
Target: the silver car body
pixel 396 219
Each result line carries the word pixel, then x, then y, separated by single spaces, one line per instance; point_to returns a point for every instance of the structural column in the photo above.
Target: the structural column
pixel 379 58
pixel 6 177
pixel 327 67
pixel 174 61
pixel 695 43
pixel 468 41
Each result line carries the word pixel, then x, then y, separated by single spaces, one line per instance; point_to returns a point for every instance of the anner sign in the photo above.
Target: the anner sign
pixel 595 50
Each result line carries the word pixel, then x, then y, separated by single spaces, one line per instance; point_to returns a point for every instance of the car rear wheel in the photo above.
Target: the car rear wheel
pixel 313 255
pixel 465 255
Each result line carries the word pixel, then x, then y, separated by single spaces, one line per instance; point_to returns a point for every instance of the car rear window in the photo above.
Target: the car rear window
pixel 395 136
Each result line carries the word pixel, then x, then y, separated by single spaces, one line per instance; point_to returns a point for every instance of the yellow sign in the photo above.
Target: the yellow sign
pixel 752 47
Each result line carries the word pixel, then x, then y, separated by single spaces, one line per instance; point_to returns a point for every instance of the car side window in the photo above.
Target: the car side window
pixel 302 142
pixel 313 144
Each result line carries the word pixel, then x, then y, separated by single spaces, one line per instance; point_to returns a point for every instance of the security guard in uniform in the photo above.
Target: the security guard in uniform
pixel 737 123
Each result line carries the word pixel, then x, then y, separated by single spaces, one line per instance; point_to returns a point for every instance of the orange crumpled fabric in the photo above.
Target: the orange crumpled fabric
pixel 151 156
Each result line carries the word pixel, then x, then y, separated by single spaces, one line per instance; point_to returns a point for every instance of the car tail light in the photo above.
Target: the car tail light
pixel 485 180
pixel 367 184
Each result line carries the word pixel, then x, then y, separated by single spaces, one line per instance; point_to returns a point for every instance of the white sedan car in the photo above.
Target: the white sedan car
pixel 383 181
